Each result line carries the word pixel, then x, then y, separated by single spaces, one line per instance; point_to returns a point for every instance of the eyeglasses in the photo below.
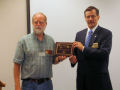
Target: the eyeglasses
pixel 39 22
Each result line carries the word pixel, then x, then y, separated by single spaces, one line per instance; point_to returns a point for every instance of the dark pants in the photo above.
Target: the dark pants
pixel 99 81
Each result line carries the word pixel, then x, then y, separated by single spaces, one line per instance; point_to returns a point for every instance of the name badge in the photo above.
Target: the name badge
pixel 95 45
pixel 41 53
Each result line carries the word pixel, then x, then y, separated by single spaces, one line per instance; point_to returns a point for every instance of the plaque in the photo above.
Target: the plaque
pixel 63 49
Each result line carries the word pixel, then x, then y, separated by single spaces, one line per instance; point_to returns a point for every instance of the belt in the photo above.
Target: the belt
pixel 38 81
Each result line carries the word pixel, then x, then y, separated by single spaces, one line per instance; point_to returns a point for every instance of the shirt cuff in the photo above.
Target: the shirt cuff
pixel 83 49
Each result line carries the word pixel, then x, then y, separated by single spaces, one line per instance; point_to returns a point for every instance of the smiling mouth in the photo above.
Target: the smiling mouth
pixel 38 28
pixel 91 23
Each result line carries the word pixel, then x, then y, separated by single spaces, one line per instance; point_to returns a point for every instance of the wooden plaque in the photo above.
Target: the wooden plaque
pixel 63 49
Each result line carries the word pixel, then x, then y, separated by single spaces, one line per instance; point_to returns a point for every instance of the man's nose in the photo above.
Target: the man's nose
pixel 90 18
pixel 38 23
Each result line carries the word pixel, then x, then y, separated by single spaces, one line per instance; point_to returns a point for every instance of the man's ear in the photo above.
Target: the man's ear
pixel 98 17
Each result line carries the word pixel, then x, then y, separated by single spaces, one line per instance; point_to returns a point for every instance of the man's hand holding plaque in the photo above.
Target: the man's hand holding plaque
pixel 59 59
pixel 78 45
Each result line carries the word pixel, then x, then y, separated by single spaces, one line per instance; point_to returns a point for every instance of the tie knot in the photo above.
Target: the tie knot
pixel 90 31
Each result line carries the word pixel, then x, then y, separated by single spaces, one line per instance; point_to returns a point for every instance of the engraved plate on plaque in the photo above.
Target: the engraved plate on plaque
pixel 63 48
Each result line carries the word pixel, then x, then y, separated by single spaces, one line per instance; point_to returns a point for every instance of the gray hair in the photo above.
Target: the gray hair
pixel 39 13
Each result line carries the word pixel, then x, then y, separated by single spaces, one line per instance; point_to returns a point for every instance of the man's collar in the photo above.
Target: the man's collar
pixel 93 28
pixel 35 36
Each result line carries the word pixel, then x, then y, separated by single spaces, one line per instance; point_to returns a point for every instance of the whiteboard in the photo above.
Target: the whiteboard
pixel 65 19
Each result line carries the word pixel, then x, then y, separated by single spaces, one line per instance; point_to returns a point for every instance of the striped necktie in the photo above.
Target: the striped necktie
pixel 88 38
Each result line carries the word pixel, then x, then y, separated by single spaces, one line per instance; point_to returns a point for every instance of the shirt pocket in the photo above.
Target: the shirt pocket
pixel 30 53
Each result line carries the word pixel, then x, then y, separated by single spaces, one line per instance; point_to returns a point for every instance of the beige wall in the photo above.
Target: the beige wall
pixel 12 27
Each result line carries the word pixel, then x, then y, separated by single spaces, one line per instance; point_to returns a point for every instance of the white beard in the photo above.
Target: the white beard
pixel 38 30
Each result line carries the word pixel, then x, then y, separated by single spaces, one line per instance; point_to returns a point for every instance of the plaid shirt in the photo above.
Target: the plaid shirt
pixel 31 55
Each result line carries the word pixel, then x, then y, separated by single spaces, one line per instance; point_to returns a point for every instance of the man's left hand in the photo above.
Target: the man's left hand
pixel 78 45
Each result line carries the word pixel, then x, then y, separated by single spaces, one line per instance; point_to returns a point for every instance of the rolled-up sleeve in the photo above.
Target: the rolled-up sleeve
pixel 19 54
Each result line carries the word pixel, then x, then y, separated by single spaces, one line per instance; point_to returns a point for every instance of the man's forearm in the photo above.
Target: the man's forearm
pixel 17 76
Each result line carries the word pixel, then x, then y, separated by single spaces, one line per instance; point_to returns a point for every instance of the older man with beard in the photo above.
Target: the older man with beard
pixel 34 58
